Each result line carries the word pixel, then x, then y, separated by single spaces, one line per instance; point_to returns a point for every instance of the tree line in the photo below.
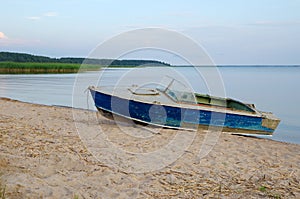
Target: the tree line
pixel 28 58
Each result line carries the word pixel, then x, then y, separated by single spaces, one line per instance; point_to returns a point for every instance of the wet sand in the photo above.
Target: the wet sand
pixel 45 152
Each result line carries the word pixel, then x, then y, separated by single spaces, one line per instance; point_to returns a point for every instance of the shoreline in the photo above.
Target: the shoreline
pixel 254 136
pixel 75 68
pixel 42 155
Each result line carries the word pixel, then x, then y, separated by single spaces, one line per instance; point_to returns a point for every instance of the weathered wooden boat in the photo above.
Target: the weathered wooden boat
pixel 168 107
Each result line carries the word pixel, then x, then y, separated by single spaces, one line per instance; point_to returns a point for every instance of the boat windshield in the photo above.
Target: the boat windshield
pixel 177 91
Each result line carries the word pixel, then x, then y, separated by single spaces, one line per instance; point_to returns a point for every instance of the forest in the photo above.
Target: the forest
pixel 28 58
pixel 22 63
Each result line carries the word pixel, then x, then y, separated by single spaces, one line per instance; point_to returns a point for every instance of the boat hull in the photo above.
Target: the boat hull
pixel 177 117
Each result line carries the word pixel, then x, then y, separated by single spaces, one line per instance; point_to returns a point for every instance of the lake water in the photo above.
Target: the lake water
pixel 273 89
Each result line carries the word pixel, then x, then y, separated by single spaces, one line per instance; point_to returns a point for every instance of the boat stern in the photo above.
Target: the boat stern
pixel 269 120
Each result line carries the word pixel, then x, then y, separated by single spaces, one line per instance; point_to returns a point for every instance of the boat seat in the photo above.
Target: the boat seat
pixel 143 91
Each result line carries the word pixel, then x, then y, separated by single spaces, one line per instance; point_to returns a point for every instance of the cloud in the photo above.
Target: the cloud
pixel 50 14
pixel 2 36
pixel 17 42
pixel 181 14
pixel 275 23
pixel 8 41
pixel 46 14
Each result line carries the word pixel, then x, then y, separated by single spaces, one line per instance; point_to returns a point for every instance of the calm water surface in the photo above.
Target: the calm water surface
pixel 273 89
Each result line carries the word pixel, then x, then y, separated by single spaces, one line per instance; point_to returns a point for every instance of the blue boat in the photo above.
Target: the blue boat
pixel 168 106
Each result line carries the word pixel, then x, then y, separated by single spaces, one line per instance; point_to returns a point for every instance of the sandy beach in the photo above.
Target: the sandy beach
pixel 43 155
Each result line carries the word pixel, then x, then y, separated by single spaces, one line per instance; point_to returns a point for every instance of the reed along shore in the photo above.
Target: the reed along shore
pixel 42 68
pixel 43 156
pixel 52 68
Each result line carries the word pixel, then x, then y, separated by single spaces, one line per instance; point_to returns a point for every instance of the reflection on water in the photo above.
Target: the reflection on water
pixel 269 88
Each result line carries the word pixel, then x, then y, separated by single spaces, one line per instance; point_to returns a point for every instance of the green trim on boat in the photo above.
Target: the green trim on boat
pixel 222 102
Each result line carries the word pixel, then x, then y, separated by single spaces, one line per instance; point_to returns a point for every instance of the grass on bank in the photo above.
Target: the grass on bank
pixel 20 67
pixel 36 68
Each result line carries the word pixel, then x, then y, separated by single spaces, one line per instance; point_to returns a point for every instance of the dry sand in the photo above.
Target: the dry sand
pixel 42 156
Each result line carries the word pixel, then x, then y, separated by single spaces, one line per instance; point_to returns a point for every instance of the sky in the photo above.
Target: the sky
pixel 231 32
